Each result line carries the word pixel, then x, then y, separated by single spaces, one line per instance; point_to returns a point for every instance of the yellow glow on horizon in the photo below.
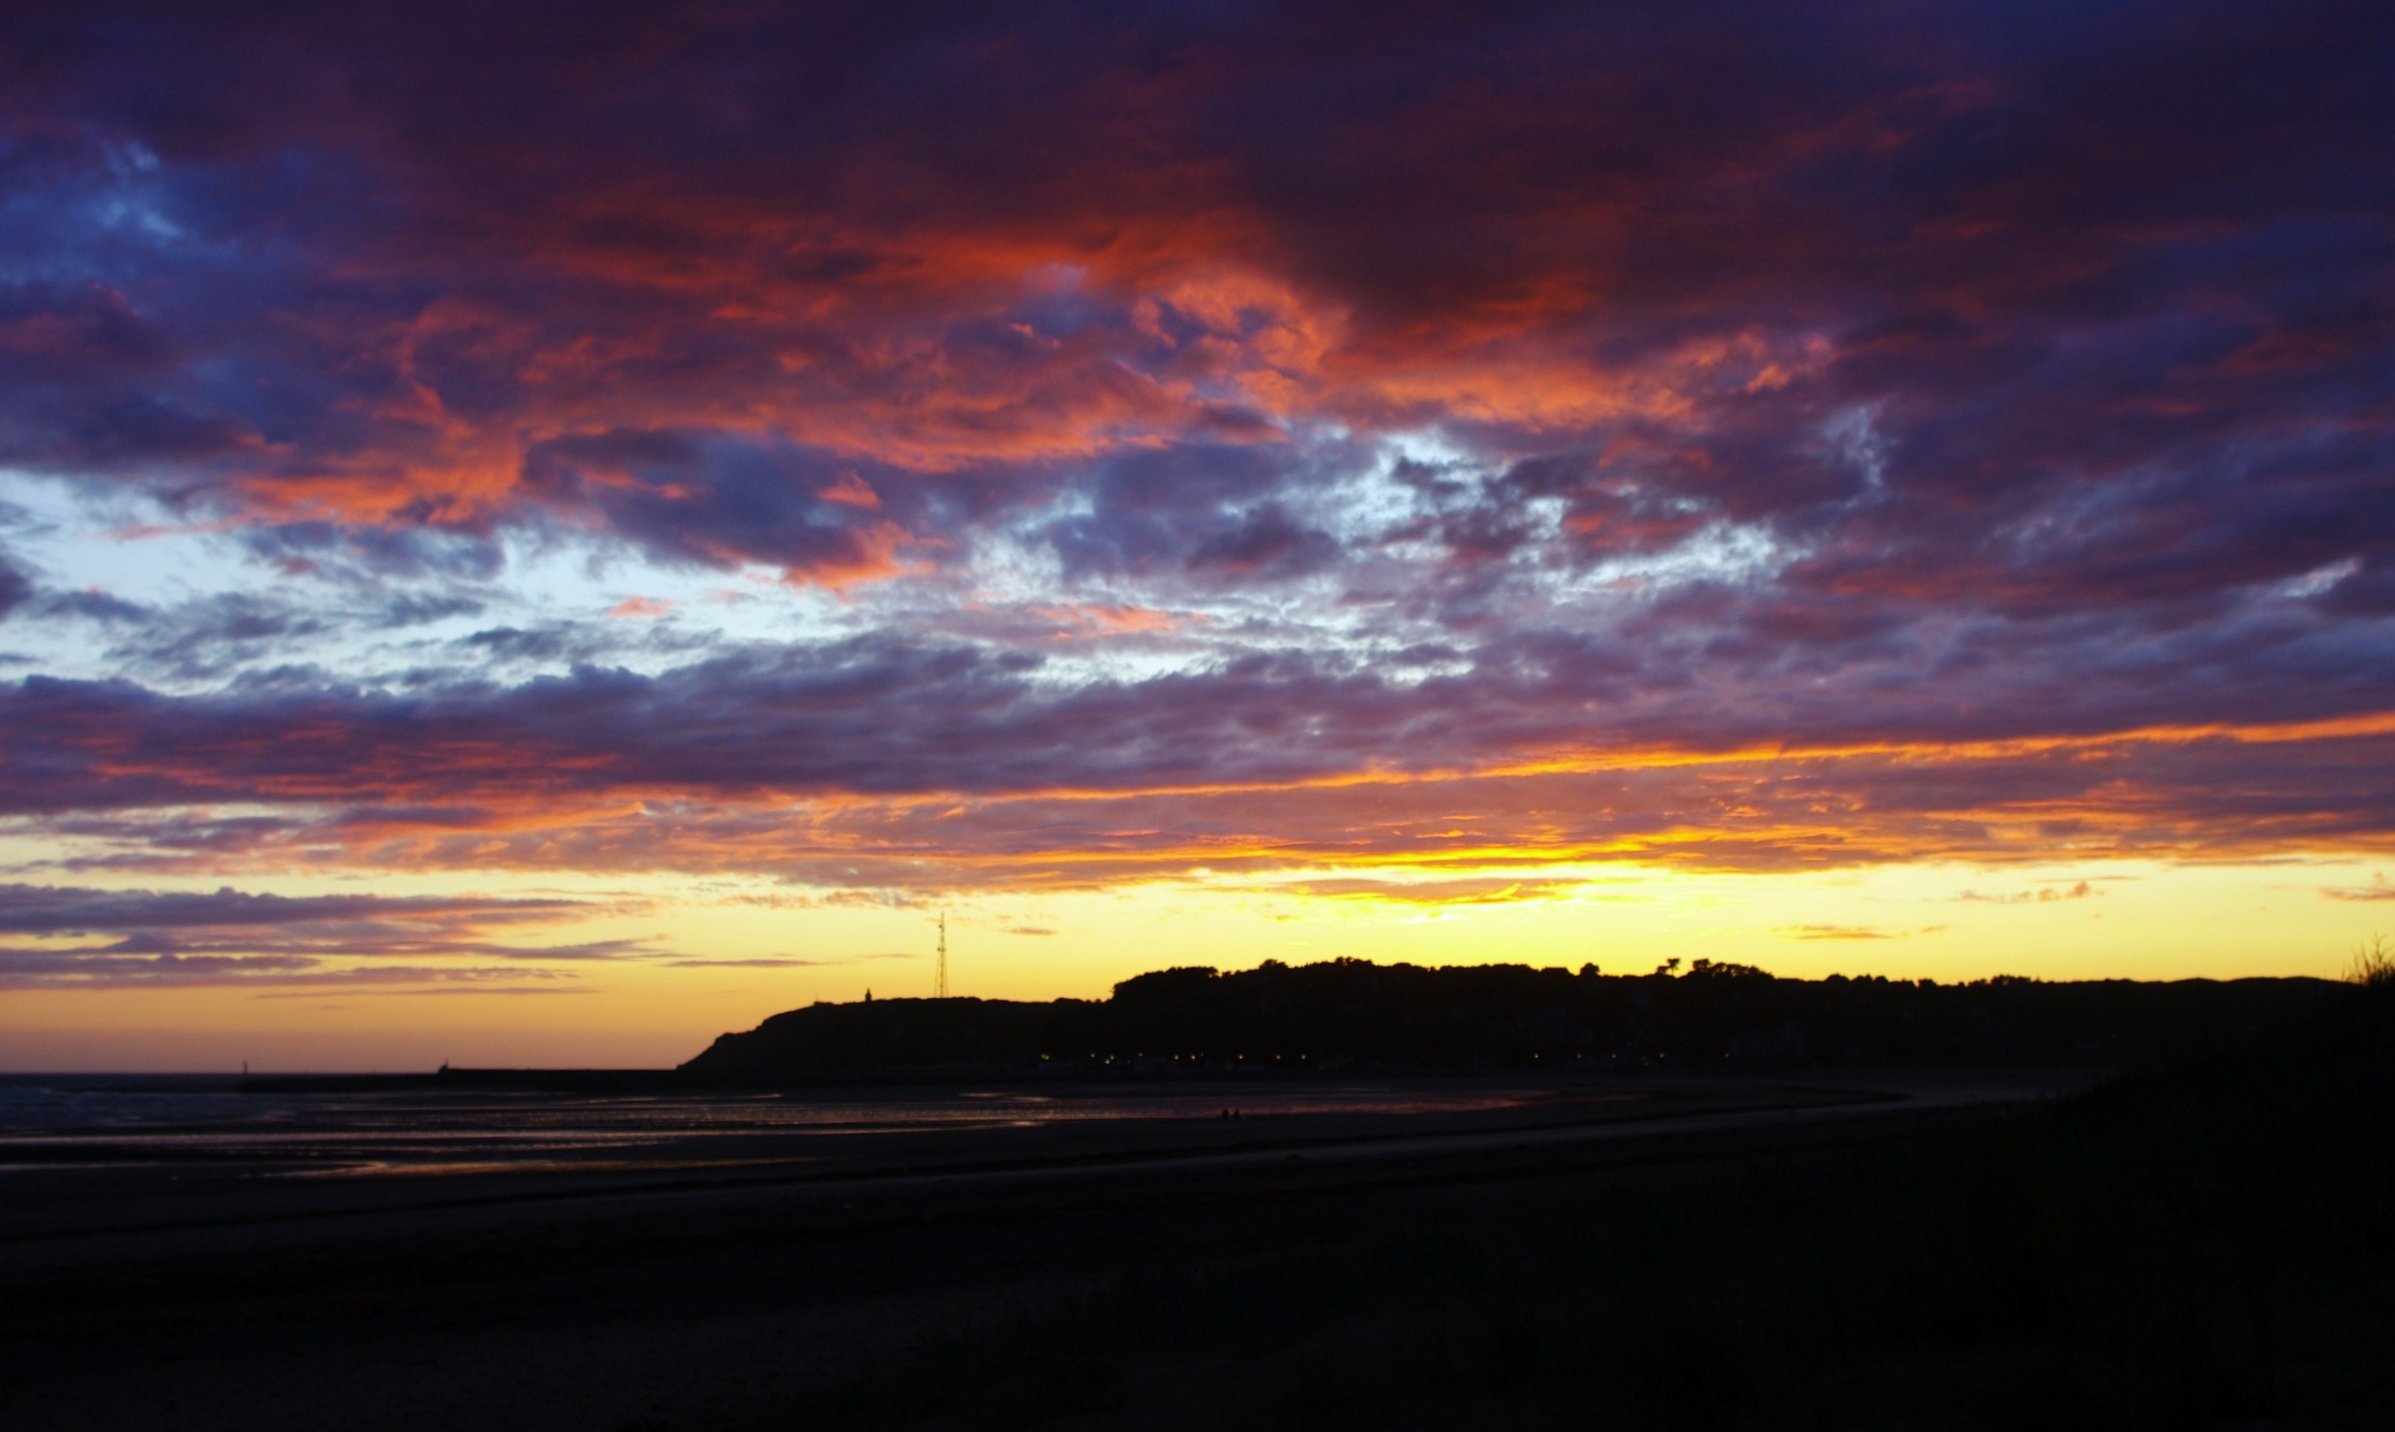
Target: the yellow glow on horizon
pixel 1945 921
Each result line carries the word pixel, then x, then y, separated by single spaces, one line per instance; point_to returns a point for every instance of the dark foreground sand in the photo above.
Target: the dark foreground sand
pixel 738 1292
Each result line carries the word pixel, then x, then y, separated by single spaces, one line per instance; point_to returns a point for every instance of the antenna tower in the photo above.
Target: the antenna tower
pixel 939 979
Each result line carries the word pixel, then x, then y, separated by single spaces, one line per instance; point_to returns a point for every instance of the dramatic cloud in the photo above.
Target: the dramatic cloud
pixel 777 962
pixel 25 969
pixel 1069 445
pixel 175 938
pixel 16 589
pixel 2377 889
pixel 2043 895
pixel 1486 890
pixel 51 910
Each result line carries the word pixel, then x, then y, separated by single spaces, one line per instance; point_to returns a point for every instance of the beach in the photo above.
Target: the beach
pixel 732 1279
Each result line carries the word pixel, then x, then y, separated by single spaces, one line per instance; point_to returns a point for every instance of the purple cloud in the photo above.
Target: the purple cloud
pixel 1430 396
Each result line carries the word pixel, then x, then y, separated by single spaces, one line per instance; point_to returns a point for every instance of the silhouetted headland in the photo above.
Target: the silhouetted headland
pixel 1351 1016
pixel 2199 1245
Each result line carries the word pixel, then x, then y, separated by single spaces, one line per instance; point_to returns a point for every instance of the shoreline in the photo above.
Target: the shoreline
pixel 555 1300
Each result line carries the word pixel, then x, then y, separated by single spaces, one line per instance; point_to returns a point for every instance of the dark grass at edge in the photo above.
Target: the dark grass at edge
pixel 2207 1246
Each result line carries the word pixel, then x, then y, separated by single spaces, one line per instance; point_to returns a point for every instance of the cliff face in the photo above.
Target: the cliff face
pixel 1349 1014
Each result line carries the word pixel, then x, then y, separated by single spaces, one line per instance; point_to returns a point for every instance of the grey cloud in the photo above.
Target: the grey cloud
pixel 16 589
pixel 69 910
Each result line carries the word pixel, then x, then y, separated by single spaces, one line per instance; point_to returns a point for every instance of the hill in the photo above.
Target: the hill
pixel 1358 1017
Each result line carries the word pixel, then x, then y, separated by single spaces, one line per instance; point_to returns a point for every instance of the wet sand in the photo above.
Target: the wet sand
pixel 734 1290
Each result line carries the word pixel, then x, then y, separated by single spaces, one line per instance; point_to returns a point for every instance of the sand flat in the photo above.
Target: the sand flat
pixel 711 1294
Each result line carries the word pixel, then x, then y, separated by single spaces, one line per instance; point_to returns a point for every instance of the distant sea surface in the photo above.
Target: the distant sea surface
pixel 94 1122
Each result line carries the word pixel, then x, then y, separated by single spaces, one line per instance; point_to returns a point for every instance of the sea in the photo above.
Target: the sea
pixel 97 1121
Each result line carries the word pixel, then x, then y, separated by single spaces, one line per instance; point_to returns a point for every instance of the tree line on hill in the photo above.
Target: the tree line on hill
pixel 1354 1016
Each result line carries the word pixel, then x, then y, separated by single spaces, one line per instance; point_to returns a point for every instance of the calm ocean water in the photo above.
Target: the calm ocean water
pixel 96 1120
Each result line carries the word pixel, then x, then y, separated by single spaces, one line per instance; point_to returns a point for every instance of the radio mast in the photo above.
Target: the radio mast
pixel 939 979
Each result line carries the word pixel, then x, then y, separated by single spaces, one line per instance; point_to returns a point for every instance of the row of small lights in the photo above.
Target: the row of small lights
pixel 1656 1058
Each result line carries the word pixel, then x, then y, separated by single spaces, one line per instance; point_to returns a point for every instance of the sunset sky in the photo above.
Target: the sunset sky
pixel 540 539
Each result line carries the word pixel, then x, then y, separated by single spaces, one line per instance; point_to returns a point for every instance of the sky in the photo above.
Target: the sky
pixel 541 534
